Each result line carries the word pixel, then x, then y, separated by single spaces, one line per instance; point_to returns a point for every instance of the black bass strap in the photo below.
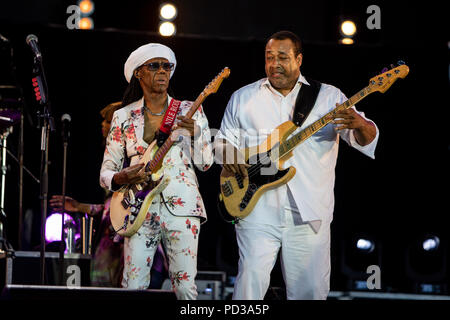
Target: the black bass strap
pixel 305 101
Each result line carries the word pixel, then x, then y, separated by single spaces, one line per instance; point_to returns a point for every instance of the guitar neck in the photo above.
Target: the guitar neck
pixel 287 146
pixel 162 151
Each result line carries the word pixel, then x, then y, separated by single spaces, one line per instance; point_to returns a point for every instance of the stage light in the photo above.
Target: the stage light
pixel 86 7
pixel 86 23
pixel 167 29
pixel 347 41
pixel 168 11
pixel 53 226
pixel 53 230
pixel 348 28
pixel 358 252
pixel 430 244
pixel 426 264
pixel 365 245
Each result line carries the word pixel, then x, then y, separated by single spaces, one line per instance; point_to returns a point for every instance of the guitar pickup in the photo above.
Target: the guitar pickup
pixel 227 188
pixel 239 180
pixel 125 203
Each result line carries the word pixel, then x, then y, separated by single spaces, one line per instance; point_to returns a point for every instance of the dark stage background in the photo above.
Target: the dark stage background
pixel 396 198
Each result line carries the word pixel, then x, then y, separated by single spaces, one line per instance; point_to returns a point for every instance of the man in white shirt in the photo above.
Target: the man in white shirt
pixel 295 217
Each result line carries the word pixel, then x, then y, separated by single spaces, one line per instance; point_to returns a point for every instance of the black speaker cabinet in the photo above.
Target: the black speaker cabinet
pixel 17 292
pixel 20 279
pixel 24 268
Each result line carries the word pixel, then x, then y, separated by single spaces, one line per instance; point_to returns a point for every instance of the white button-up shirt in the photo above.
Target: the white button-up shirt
pixel 253 112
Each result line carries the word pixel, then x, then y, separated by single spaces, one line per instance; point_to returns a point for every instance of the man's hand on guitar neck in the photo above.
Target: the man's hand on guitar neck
pixel 132 175
pixel 233 160
pixel 365 131
pixel 189 125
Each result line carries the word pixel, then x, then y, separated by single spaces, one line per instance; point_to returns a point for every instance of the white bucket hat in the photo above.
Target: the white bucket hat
pixel 147 52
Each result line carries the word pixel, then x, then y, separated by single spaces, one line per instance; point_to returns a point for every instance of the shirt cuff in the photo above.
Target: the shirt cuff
pixel 368 149
pixel 106 181
pixel 115 186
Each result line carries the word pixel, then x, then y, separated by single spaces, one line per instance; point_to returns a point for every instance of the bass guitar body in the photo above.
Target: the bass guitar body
pixel 240 195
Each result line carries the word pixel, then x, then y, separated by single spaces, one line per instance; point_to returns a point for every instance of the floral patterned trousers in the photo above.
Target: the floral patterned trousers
pixel 179 236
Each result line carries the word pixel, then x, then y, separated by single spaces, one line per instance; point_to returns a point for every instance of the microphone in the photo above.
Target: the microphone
pixel 65 120
pixel 32 41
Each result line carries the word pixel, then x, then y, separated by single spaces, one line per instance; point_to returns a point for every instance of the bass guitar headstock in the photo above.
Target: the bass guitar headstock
pixel 386 79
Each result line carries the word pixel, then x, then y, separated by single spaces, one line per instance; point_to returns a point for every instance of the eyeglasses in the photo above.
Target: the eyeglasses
pixel 154 66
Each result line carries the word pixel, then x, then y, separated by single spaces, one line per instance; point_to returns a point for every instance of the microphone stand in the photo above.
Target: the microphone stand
pixel 46 123
pixel 61 246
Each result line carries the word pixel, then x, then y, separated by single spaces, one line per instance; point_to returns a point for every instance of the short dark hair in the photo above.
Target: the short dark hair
pixel 283 35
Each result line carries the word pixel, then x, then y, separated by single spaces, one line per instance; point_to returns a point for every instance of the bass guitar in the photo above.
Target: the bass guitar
pixel 130 203
pixel 266 171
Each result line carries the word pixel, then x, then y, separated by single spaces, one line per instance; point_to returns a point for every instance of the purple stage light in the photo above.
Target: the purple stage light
pixel 53 226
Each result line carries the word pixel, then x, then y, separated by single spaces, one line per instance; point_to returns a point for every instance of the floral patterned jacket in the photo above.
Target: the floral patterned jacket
pixel 125 142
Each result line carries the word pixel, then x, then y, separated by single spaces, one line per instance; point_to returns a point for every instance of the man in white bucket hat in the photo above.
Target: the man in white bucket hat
pixel 175 215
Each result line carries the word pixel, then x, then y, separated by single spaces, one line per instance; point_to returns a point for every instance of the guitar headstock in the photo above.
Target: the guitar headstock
pixel 385 80
pixel 214 85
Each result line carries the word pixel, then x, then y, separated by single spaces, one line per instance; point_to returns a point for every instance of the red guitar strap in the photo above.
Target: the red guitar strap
pixel 168 120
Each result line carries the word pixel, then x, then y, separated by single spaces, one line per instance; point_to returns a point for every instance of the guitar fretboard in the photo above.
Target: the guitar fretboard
pixel 162 151
pixel 301 136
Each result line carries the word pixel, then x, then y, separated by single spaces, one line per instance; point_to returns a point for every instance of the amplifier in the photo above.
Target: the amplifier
pixel 210 285
pixel 24 267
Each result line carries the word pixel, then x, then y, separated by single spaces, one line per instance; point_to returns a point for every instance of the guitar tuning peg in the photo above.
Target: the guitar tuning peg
pixel 384 70
pixel 400 62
